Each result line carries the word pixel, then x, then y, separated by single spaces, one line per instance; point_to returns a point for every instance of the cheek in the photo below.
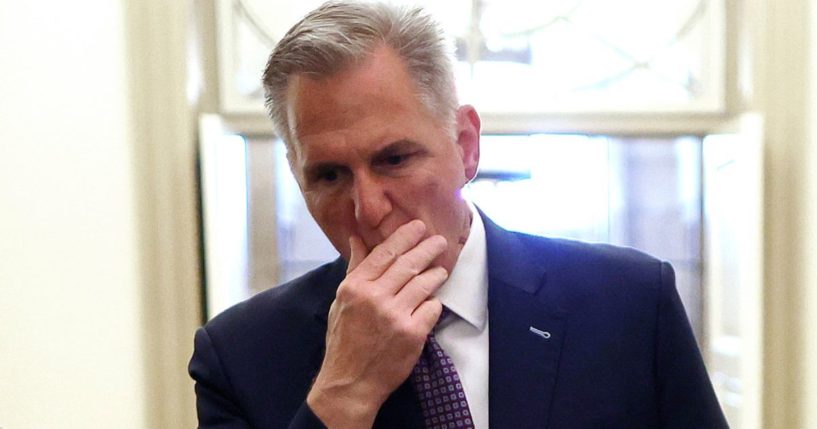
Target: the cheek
pixel 313 204
pixel 436 191
pixel 334 220
pixel 441 186
pixel 435 200
pixel 322 201
pixel 330 213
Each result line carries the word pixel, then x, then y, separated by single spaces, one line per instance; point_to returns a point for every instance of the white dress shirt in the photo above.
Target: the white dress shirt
pixel 464 336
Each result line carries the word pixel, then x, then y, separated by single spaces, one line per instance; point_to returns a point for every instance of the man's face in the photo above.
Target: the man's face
pixel 369 157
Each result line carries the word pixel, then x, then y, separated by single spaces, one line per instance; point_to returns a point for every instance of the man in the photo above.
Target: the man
pixel 537 333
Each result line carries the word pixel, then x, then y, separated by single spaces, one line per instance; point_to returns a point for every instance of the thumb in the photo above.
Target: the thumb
pixel 358 252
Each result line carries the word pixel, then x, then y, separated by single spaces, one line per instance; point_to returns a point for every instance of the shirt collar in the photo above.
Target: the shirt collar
pixel 465 292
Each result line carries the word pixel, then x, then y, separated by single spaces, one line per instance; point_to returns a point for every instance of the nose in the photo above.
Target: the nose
pixel 371 201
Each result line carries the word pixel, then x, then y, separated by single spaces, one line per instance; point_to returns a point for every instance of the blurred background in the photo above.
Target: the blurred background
pixel 142 189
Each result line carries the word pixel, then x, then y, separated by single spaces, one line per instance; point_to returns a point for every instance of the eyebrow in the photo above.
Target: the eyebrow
pixel 399 146
pixel 396 147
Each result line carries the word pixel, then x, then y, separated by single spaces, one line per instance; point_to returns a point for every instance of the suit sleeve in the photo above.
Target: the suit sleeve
pixel 216 404
pixel 685 395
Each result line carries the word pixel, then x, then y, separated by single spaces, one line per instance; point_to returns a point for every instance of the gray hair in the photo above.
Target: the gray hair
pixel 339 34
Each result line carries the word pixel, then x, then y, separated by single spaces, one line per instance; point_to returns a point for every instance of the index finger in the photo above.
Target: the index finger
pixel 384 254
pixel 358 253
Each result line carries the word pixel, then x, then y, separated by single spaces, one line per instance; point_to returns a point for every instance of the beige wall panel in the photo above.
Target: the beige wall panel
pixel 98 227
pixel 70 322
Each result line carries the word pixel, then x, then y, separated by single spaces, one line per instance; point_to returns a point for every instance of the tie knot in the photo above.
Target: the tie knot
pixel 443 316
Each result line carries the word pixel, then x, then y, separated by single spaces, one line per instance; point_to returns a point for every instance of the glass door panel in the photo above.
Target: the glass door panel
pixel 733 239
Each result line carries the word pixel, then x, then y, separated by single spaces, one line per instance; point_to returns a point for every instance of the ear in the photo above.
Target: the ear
pixel 468 129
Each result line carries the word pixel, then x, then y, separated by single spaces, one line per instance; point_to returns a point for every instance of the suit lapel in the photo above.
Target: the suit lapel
pixel 526 331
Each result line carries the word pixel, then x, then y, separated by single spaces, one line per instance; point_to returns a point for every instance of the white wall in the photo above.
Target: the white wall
pixel 809 399
pixel 80 345
pixel 787 79
pixel 70 336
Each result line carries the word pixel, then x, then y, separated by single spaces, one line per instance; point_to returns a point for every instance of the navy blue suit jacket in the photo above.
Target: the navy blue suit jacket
pixel 620 354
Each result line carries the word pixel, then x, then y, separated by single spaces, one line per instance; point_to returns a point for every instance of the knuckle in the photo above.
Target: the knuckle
pixel 429 281
pixel 411 229
pixel 418 335
pixel 392 317
pixel 384 254
pixel 405 328
pixel 350 292
pixel 437 307
pixel 425 288
pixel 408 264
pixel 343 294
pixel 435 245
pixel 440 274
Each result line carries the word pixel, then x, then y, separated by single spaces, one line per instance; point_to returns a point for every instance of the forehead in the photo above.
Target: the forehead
pixel 378 90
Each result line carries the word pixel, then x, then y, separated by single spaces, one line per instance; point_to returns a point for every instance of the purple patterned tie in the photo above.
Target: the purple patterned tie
pixel 438 386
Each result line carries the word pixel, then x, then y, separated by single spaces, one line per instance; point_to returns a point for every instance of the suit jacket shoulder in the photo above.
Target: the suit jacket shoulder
pixel 566 274
pixel 254 362
pixel 286 305
pixel 618 349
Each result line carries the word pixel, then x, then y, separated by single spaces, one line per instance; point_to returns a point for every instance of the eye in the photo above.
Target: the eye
pixel 395 159
pixel 324 174
pixel 328 175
